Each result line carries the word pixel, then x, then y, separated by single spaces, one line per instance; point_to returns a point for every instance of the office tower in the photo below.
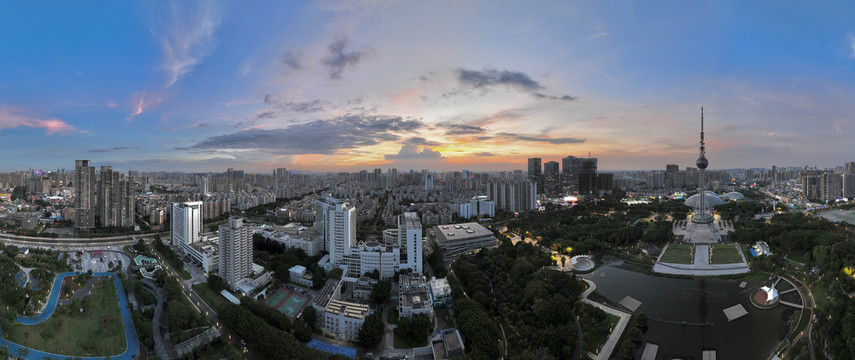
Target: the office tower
pixel 535 172
pixel 410 241
pixel 341 228
pixel 322 213
pixel 186 223
pixel 849 186
pixel 84 191
pixel 849 167
pixel 518 175
pixel 551 184
pixel 588 176
pixel 811 188
pixel 605 181
pixel 115 204
pixel 570 167
pixel 672 168
pixel 235 252
pixel 428 181
pixel 672 172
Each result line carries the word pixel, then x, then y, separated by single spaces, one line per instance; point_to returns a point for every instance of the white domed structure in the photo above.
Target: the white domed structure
pixel 711 200
pixel 732 196
pixel 582 263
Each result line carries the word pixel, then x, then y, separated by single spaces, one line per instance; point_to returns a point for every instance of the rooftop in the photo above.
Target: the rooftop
pixel 351 310
pixel 459 232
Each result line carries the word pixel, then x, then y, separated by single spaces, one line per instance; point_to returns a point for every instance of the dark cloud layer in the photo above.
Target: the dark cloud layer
pixel 557 141
pixel 515 79
pixel 338 58
pixel 296 106
pixel 460 129
pixel 316 137
pixel 116 148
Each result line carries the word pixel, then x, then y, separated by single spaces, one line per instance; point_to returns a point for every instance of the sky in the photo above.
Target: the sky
pixel 442 85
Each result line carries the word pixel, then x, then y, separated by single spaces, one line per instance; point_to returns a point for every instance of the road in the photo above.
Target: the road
pixel 68 244
pixel 226 334
pixel 162 346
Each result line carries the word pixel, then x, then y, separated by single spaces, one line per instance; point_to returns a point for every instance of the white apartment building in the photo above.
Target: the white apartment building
pixel 235 252
pixel 186 223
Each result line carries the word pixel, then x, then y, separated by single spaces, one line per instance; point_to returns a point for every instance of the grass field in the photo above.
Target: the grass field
pixel 755 276
pixel 819 295
pixel 213 299
pixel 403 343
pixel 69 332
pixel 597 340
pixel 725 254
pixel 678 254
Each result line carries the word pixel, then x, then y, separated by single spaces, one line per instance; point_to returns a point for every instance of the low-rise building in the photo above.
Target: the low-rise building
pixel 298 275
pixel 440 292
pixel 458 239
pixel 414 296
pixel 344 319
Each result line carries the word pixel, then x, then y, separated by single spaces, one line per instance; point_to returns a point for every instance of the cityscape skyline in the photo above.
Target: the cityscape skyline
pixel 209 85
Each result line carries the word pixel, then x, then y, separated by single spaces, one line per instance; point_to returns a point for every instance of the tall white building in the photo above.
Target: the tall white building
pixel 411 242
pixel 235 252
pixel 186 223
pixel 322 212
pixel 341 229
pixel 428 181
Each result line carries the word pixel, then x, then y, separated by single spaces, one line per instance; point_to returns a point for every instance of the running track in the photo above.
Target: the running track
pixel 130 333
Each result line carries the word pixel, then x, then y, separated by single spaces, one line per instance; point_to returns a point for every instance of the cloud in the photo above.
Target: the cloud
pixel 316 137
pixel 460 129
pixel 411 152
pixel 600 33
pixel 11 117
pixel 295 106
pixel 557 141
pixel 484 154
pixel 140 101
pixel 514 79
pixel 185 31
pixel 292 60
pixel 338 58
pixel 245 67
pixel 422 141
pixel 191 126
pixel 852 46
pixel 116 148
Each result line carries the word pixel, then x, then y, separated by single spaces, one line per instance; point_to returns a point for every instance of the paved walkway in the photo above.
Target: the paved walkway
pixel 611 343
pixel 133 345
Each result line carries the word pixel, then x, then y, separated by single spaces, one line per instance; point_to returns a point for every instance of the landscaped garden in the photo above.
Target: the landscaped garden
pixel 725 254
pixel 88 327
pixel 677 254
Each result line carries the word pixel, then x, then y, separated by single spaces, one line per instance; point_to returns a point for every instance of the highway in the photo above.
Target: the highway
pixel 65 243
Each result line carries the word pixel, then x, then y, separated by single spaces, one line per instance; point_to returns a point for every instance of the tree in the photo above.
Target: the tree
pixel 634 335
pixel 371 332
pixel 627 350
pixel 641 320
pixel 4 352
pixel 335 273
pixel 310 316
pixel 380 292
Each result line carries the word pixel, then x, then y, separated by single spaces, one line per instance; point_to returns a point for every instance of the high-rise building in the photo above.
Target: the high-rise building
pixel 535 172
pixel 203 188
pixel 513 196
pixel 831 185
pixel 672 168
pixel 235 252
pixel 849 186
pixel 410 241
pixel 551 181
pixel 322 212
pixel 281 173
pixel 115 204
pixel 849 167
pixel 341 229
pixel 428 181
pixel 570 167
pixel 186 223
pixel 588 176
pixel 84 191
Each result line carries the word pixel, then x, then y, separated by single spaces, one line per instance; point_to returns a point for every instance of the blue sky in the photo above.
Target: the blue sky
pixel 346 85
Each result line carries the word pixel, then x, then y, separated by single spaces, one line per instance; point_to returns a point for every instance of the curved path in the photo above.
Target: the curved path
pixel 133 345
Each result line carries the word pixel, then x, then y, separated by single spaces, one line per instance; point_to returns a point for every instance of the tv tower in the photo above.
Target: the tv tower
pixel 703 217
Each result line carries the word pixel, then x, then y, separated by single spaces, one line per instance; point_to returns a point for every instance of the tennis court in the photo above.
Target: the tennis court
pixel 276 298
pixel 293 305
pixel 330 348
pixel 21 279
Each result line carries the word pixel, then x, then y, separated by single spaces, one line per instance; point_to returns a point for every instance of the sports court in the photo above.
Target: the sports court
pixel 21 279
pixel 333 349
pixel 288 302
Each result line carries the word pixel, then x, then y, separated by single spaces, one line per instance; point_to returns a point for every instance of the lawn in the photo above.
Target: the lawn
pixel 596 339
pixel 678 254
pixel 725 254
pixel 69 332
pixel 185 274
pixel 820 295
pixel 443 317
pixel 213 299
pixel 797 257
pixel 755 276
